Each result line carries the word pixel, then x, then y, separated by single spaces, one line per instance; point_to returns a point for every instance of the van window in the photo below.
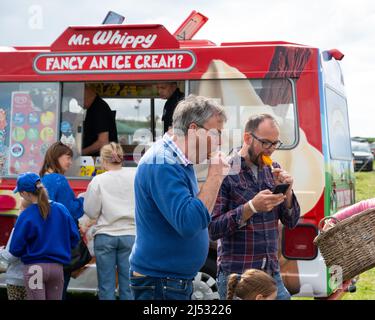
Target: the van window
pixel 137 110
pixel 28 124
pixel 139 124
pixel 338 126
pixel 71 124
pixel 243 98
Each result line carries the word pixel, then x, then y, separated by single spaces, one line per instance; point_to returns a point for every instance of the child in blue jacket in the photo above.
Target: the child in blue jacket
pixel 57 161
pixel 42 238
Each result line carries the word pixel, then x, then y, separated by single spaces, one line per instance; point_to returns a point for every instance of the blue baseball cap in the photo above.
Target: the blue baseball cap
pixel 27 182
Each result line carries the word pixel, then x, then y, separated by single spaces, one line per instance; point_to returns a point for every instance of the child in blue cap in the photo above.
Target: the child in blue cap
pixel 42 238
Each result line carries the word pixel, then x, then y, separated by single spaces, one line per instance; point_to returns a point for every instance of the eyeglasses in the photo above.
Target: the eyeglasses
pixel 266 144
pixel 213 132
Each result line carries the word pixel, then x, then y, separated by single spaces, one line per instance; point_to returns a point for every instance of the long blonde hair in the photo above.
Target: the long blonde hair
pixel 250 284
pixel 112 153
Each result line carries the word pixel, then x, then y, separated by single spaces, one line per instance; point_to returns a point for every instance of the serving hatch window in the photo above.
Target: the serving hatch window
pixel 138 112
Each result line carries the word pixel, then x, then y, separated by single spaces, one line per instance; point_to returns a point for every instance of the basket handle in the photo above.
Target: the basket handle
pixel 320 225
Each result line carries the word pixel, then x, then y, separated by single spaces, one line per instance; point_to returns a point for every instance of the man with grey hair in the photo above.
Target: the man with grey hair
pixel 171 213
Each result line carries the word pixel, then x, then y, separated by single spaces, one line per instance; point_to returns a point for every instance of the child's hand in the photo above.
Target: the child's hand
pixel 328 225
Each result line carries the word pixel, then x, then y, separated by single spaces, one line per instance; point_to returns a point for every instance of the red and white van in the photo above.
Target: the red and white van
pixel 41 91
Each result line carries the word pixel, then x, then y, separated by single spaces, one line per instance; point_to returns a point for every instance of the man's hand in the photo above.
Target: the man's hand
pixel 265 200
pixel 281 176
pixel 217 171
pixel 218 166
pixel 103 139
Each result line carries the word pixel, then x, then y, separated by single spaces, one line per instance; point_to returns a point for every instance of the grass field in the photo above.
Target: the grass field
pixel 365 188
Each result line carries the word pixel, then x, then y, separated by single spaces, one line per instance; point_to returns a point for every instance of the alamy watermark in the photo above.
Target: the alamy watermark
pixel 35 281
pixel 198 148
pixel 35 21
pixel 336 277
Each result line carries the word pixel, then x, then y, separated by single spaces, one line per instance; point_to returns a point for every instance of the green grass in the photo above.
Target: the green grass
pixel 365 287
pixel 365 188
pixel 365 185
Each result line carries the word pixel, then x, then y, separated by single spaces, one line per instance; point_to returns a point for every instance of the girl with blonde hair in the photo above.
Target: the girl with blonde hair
pixel 107 201
pixel 253 284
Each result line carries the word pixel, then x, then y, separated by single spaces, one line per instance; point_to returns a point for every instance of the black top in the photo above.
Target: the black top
pixel 99 118
pixel 169 107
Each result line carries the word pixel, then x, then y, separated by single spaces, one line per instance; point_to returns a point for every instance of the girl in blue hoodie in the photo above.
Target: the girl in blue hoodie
pixel 43 237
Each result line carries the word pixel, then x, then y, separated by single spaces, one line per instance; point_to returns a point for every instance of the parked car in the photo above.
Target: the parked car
pixel 372 147
pixel 363 158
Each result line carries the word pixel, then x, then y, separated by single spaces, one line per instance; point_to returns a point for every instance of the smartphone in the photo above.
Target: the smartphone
pixel 281 188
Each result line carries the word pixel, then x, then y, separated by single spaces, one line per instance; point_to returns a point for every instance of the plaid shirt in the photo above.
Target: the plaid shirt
pixel 254 244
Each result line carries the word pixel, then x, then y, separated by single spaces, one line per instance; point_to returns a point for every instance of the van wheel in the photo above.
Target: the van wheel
pixel 205 287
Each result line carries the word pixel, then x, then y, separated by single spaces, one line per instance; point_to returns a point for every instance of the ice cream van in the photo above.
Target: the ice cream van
pixel 41 98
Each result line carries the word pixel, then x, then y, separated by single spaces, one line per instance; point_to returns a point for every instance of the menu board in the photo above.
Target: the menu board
pixel 33 128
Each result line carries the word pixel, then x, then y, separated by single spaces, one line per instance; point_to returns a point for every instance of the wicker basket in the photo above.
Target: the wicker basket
pixel 350 244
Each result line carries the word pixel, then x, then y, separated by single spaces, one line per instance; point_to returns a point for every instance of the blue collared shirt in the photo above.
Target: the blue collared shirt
pixel 171 221
pixel 168 140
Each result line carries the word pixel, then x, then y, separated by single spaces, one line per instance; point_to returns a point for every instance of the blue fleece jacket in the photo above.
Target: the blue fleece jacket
pixel 59 190
pixel 36 240
pixel 171 222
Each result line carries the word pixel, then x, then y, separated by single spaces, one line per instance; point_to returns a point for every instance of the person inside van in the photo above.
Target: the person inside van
pixel 171 92
pixel 99 127
pixel 246 214
pixel 253 284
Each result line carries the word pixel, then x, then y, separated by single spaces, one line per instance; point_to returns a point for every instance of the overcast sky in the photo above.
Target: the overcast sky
pixel 348 25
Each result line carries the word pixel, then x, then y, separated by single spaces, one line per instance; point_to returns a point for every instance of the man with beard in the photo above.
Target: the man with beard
pixel 246 214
